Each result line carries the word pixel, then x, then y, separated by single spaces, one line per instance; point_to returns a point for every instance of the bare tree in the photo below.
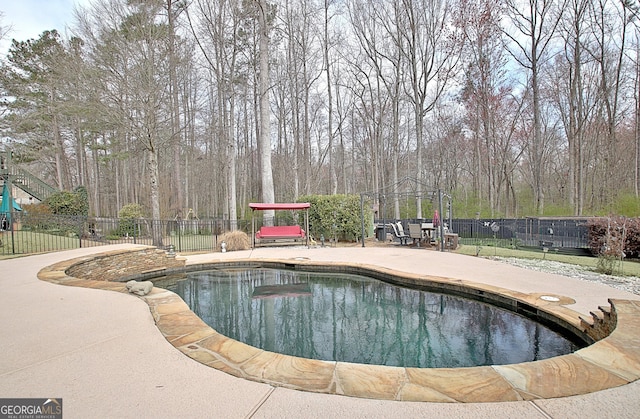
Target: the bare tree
pixel 221 44
pixel 132 56
pixel 173 9
pixel 634 9
pixel 609 23
pixel 360 101
pixel 4 30
pixel 431 53
pixel 327 68
pixel 636 96
pixel 492 112
pixel 572 97
pixel 302 56
pixel 533 25
pixel 378 34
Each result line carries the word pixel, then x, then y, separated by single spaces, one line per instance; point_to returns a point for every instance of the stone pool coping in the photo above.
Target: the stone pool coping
pixel 610 362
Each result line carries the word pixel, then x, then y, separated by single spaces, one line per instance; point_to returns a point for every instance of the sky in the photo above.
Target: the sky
pixel 29 18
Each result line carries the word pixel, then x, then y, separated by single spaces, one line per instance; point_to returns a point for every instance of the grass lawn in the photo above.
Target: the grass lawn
pixel 630 268
pixel 29 242
pixel 25 242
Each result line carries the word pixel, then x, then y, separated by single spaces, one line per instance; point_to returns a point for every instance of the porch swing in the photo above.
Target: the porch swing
pixel 279 234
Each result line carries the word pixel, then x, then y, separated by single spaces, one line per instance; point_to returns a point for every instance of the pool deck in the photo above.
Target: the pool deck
pixel 102 353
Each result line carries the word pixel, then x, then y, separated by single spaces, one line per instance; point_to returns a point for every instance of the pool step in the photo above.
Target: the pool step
pixel 601 323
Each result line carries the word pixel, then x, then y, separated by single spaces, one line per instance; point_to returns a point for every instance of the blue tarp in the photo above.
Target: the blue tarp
pixel 5 208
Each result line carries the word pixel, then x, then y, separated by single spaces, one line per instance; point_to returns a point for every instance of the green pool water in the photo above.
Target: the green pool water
pixel 352 318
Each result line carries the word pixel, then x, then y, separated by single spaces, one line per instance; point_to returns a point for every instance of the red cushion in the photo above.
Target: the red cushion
pixel 280 231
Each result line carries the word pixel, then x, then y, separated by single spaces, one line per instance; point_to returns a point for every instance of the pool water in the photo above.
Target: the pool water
pixel 351 318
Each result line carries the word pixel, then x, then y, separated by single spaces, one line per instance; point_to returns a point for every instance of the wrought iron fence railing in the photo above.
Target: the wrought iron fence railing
pixel 561 235
pixel 23 233
pixel 526 232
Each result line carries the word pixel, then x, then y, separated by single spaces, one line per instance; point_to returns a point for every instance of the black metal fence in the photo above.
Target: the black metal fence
pixel 561 234
pixel 23 233
pixel 526 232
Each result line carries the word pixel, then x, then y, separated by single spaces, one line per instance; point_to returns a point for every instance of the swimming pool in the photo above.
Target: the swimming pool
pixel 353 318
pixel 609 361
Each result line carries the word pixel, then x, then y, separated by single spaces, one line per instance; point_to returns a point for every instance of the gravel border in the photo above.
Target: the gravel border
pixel 624 283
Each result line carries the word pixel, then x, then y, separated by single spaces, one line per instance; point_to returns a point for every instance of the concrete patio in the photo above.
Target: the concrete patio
pixel 102 353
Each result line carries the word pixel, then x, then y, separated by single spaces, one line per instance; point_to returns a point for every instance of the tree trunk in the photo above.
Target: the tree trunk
pixel 176 132
pixel 154 194
pixel 268 194
pixel 332 169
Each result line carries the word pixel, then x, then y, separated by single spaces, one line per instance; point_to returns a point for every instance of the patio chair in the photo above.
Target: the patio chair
pixel 415 232
pixel 398 231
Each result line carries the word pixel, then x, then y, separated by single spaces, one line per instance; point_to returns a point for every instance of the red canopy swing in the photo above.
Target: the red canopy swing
pixel 280 232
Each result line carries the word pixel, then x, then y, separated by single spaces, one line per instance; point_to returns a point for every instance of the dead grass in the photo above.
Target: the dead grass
pixel 235 240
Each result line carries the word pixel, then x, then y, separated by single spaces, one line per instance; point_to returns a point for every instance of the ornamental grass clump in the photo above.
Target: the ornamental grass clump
pixel 234 240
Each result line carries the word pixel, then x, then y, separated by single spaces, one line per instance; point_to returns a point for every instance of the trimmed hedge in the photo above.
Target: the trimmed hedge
pixel 337 215
pixel 68 203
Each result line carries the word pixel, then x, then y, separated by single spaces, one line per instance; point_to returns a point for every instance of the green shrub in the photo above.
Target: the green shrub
pixel 82 197
pixel 69 203
pixel 131 211
pixel 128 215
pixel 337 215
pixel 607 264
pixel 35 217
pixel 38 217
